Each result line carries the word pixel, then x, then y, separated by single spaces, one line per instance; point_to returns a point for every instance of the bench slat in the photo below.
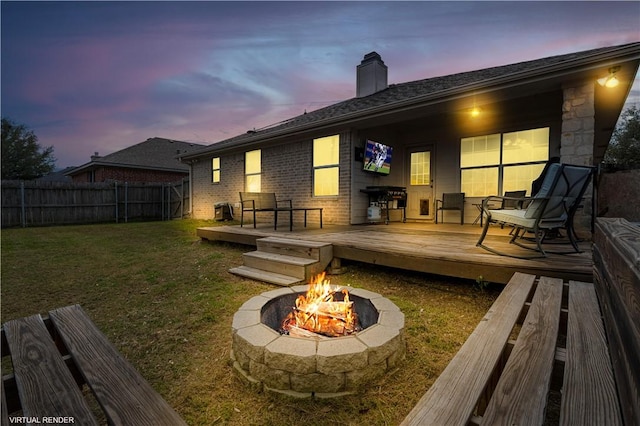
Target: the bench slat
pixel 261 200
pixel 589 395
pixel 453 396
pixel 521 394
pixel 45 384
pixel 4 414
pixel 125 396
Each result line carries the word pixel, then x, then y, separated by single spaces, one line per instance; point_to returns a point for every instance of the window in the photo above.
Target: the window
pixel 326 169
pixel 493 164
pixel 421 168
pixel 253 170
pixel 215 170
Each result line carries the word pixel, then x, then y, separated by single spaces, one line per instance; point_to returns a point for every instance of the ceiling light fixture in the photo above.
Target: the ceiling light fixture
pixel 610 80
pixel 475 110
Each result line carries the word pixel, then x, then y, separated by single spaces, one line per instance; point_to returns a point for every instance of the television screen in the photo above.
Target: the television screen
pixel 377 157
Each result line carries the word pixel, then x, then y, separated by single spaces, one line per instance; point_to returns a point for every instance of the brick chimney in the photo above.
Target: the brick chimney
pixel 371 75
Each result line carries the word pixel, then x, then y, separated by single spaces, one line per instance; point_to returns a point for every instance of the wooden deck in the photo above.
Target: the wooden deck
pixel 444 249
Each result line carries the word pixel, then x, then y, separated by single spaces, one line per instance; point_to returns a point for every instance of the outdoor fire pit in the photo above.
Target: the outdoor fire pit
pixel 306 363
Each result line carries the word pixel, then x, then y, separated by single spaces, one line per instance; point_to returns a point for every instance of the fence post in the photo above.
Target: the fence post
pixel 182 199
pixel 115 187
pixel 126 202
pixel 161 201
pixel 22 205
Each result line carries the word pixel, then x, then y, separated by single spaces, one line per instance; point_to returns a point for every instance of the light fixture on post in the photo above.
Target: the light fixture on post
pixel 610 80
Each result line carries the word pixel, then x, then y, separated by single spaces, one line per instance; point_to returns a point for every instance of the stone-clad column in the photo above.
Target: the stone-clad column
pixel 578 121
pixel 577 141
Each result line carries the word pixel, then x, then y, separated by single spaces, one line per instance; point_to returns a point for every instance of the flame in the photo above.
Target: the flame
pixel 318 312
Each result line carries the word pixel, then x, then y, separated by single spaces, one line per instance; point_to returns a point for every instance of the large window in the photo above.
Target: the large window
pixel 326 169
pixel 253 171
pixel 215 170
pixel 493 164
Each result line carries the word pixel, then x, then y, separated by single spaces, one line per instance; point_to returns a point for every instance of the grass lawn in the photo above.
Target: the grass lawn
pixel 166 300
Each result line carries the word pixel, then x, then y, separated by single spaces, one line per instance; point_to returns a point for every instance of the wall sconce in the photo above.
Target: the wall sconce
pixel 475 111
pixel 611 80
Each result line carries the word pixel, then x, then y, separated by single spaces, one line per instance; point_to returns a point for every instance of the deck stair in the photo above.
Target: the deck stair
pixel 285 261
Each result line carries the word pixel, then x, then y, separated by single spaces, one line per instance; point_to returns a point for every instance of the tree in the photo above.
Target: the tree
pixel 22 157
pixel 624 147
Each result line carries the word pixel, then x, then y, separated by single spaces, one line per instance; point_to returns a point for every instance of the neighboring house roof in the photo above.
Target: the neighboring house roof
pixel 57 176
pixel 152 154
pixel 405 96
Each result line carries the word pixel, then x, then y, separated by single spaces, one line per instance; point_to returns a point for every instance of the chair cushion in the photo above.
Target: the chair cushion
pixel 563 185
pixel 533 210
pixel 514 217
pixel 517 218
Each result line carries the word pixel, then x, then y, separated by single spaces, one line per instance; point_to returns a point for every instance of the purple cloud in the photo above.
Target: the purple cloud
pixel 101 76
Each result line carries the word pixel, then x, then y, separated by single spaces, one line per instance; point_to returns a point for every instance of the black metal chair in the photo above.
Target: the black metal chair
pixel 551 208
pixel 513 199
pixel 451 201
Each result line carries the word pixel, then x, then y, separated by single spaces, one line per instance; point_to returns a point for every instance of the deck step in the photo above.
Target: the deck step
pixel 280 263
pixel 295 260
pixel 261 275
pixel 299 248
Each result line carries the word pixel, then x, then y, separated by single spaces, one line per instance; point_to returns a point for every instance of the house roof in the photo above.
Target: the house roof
pixel 57 176
pixel 152 154
pixel 403 96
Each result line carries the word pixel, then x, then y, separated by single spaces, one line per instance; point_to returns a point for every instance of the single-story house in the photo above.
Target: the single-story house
pixel 154 160
pixel 481 132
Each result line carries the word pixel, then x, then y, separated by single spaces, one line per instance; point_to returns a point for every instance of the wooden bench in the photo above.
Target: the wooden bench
pixel 542 340
pixel 54 357
pixel 616 273
pixel 267 202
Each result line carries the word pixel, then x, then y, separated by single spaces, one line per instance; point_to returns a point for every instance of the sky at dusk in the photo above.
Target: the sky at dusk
pixel 101 76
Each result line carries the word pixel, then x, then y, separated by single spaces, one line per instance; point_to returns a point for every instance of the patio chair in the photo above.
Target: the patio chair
pixel 451 201
pixel 512 200
pixel 553 207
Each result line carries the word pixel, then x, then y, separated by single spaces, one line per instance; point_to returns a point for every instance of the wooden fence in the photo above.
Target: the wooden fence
pixel 33 203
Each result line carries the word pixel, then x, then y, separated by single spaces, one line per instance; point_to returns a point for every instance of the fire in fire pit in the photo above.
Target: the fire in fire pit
pixel 320 312
pixel 320 366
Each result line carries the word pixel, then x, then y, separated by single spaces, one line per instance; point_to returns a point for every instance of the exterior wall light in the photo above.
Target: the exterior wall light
pixel 610 80
pixel 475 111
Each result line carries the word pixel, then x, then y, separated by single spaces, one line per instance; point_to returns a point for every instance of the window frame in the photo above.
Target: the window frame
pixel 247 175
pixel 501 165
pixel 215 169
pixel 325 166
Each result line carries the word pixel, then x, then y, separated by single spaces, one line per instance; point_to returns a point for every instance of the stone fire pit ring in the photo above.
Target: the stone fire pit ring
pixel 323 367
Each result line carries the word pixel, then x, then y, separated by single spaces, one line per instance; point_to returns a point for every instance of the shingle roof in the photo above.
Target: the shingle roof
pixel 403 94
pixel 154 153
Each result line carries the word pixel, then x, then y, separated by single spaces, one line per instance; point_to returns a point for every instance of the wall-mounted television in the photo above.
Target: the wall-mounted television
pixel 377 157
